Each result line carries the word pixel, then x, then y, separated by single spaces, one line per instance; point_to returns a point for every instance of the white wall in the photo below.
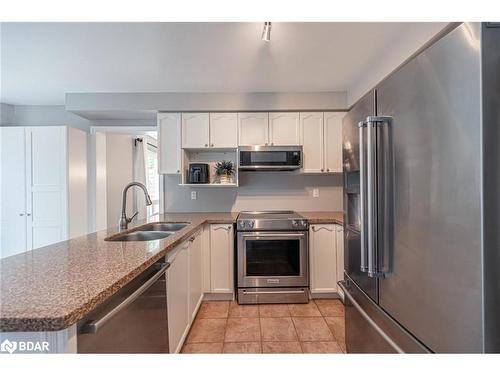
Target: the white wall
pixel 404 44
pixel 101 205
pixel 78 182
pixel 119 172
pixel 259 191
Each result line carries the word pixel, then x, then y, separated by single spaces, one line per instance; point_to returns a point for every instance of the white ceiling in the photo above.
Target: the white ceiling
pixel 40 62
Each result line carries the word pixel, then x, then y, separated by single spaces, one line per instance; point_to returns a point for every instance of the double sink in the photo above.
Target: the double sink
pixel 149 232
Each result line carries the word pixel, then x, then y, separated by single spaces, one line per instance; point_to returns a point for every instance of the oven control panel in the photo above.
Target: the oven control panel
pixel 246 224
pixel 300 224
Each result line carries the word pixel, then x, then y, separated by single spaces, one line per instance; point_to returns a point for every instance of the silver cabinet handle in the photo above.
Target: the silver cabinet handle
pixel 362 191
pixel 206 144
pixel 21 214
pixel 328 169
pixel 28 214
pixel 178 171
pixel 211 145
pixel 95 325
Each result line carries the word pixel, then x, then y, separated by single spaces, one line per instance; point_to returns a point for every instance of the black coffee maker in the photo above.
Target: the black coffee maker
pixel 198 173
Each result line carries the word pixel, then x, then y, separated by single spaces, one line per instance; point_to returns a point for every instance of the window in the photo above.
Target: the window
pixel 152 179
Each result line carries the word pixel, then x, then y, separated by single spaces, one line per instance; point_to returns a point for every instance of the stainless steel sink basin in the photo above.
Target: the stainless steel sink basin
pixel 165 227
pixel 140 235
pixel 149 232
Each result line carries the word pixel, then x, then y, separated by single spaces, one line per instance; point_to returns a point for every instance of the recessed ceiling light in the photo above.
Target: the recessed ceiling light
pixel 266 32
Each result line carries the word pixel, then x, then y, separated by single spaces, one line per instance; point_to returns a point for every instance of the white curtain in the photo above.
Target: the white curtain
pixel 140 176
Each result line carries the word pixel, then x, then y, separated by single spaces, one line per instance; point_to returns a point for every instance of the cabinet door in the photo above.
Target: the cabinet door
pixel 47 187
pixel 253 129
pixel 195 274
pixel 169 145
pixel 323 258
pixel 221 258
pixel 311 131
pixel 13 191
pixel 195 130
pixel 339 234
pixel 178 297
pixel 284 128
pixel 224 130
pixel 333 141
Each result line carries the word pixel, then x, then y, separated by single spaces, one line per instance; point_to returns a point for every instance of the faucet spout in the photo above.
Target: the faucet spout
pixel 124 220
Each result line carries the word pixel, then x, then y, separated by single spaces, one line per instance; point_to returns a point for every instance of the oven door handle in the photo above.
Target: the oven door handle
pixel 273 234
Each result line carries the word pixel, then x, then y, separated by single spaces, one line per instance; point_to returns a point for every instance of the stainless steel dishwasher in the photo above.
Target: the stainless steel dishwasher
pixel 134 320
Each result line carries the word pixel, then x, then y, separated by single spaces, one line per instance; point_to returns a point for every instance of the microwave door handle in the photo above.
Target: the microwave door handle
pixel 362 190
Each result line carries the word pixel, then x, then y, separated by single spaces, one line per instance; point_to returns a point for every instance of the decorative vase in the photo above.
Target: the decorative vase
pixel 225 179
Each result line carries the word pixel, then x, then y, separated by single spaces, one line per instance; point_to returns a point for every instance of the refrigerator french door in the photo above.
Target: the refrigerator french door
pixel 412 183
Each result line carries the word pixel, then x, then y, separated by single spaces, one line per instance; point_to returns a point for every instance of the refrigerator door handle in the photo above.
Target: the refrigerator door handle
pixel 380 196
pixel 362 191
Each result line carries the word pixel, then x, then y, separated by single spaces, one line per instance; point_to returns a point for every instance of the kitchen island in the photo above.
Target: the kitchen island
pixel 51 288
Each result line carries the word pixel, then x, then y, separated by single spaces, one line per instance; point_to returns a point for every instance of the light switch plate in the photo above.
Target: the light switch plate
pixel 194 195
pixel 315 193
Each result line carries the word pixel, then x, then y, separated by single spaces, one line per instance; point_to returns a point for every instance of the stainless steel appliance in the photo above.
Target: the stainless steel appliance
pixel 134 320
pixel 198 173
pixel 272 257
pixel 421 204
pixel 270 158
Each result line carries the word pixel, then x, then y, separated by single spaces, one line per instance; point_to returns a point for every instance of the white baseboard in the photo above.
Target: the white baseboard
pixel 218 297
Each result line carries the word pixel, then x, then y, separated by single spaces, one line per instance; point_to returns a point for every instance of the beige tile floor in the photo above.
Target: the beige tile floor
pixel 226 327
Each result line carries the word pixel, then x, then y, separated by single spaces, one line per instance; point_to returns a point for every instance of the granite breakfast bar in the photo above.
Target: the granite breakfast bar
pixel 45 292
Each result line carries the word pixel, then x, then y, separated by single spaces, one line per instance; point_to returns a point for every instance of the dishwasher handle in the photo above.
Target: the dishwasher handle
pixel 94 325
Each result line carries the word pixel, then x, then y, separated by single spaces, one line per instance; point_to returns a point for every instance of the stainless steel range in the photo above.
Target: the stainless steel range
pixel 272 257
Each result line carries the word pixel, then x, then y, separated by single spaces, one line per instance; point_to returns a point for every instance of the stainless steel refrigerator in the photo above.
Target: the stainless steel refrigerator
pixel 421 206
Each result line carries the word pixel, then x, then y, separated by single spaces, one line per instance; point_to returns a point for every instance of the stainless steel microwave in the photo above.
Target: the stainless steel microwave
pixel 270 158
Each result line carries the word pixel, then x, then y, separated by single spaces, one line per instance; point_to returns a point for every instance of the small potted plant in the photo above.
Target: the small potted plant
pixel 224 170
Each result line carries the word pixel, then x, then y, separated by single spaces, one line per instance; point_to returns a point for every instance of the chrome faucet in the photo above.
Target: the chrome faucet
pixel 124 220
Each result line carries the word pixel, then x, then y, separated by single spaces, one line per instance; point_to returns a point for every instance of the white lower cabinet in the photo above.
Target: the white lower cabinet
pixel 178 297
pixel 326 257
pixel 339 234
pixel 221 258
pixel 195 274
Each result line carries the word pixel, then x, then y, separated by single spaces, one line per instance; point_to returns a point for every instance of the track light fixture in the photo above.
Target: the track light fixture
pixel 266 32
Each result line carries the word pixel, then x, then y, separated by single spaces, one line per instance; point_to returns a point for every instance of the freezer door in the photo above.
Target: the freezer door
pixel 354 215
pixel 434 288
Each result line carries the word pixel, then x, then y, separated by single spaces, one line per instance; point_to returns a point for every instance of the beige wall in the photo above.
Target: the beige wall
pixel 119 149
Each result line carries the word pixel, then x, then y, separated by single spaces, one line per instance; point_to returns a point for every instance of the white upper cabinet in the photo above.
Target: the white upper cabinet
pixel 169 136
pixel 311 132
pixel 253 128
pixel 333 141
pixel 223 130
pixel 284 129
pixel 321 136
pixel 195 130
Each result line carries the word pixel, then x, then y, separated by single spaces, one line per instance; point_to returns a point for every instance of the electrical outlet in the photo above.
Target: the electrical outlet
pixel 315 192
pixel 194 195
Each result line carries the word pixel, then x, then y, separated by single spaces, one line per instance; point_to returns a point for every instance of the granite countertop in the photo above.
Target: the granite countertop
pixel 51 288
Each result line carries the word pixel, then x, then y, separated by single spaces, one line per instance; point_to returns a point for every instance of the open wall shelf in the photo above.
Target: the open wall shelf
pixel 211 157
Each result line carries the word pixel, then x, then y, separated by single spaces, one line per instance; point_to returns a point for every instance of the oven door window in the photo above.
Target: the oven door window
pixel 280 257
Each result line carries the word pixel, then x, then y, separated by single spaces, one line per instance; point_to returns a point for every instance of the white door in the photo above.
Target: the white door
pixel 284 128
pixel 253 129
pixel 323 258
pixel 178 297
pixel 221 258
pixel 195 130
pixel 169 146
pixel 47 207
pixel 224 130
pixel 333 141
pixel 13 191
pixel 195 274
pixel 311 132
